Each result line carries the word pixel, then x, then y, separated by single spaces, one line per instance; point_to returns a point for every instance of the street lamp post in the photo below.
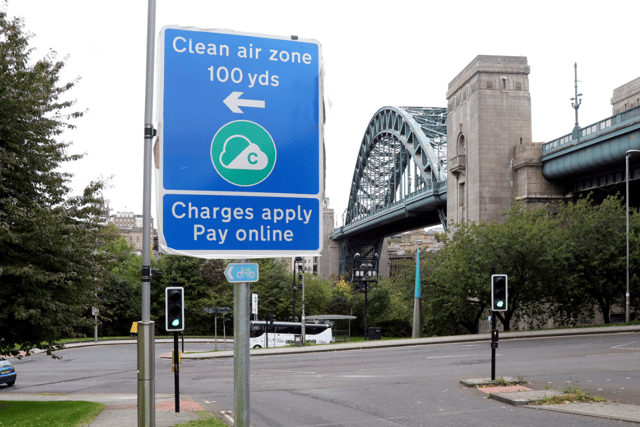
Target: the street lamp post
pixel 629 154
pixel 368 272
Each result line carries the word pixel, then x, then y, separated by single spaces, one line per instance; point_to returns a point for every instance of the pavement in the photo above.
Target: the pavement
pixel 121 409
pixel 520 395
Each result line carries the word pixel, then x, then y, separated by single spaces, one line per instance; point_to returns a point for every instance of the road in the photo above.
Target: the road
pixel 408 386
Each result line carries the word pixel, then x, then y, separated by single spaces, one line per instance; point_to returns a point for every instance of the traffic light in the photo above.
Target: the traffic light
pixel 174 308
pixel 499 292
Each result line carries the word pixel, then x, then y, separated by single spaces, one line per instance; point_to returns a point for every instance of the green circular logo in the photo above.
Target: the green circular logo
pixel 243 153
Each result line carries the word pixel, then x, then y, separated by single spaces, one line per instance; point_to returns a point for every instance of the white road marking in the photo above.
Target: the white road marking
pixel 228 415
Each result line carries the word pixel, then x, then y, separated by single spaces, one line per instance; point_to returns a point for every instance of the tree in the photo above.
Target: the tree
pixel 455 283
pixel 529 249
pixel 121 287
pixel 198 292
pixel 48 239
pixel 595 235
pixel 525 246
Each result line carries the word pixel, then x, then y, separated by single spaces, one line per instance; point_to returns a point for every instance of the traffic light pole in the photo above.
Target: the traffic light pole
pixel 176 370
pixel 293 314
pixel 302 318
pixel 494 345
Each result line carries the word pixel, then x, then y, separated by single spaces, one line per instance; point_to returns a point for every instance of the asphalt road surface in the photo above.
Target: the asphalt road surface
pixel 408 386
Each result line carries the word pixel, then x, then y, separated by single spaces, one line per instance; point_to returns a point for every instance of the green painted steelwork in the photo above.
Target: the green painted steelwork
pixel 399 181
pixel 600 146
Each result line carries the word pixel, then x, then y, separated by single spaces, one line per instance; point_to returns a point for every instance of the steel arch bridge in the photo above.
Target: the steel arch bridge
pixel 399 182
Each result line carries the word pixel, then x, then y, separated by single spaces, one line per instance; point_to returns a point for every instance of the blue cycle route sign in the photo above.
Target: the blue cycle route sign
pixel 239 152
pixel 236 272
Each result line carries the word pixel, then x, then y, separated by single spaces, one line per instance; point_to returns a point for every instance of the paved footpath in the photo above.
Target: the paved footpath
pixel 121 409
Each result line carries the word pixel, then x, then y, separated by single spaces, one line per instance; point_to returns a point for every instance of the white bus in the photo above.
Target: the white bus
pixel 282 334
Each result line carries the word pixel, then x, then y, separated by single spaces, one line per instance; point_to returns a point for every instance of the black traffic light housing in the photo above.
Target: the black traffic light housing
pixel 499 292
pixel 174 308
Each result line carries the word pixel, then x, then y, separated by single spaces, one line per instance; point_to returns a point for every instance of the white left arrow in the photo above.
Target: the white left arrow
pixel 227 273
pixel 234 102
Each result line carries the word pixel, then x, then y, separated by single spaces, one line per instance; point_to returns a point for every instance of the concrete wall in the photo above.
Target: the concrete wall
pixel 531 186
pixel 329 261
pixel 489 115
pixel 626 96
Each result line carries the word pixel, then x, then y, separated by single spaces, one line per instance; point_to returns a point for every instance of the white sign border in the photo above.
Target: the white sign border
pixel 159 163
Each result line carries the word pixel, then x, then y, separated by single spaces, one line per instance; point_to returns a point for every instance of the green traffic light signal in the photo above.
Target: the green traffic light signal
pixel 499 292
pixel 174 308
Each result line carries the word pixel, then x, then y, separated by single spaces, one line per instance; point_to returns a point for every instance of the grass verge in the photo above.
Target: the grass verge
pixel 48 414
pixel 502 382
pixel 571 394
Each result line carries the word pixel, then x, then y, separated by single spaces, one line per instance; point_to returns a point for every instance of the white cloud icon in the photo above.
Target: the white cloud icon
pixel 251 158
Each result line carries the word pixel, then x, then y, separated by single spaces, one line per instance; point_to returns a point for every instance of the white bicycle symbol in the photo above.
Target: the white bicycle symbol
pixel 250 274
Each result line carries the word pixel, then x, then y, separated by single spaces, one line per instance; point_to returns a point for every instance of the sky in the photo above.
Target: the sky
pixel 375 54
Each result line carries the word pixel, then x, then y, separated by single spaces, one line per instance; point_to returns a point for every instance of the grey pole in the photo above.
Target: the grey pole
pixel 626 309
pixel 146 330
pixel 629 154
pixel 302 318
pixel 241 317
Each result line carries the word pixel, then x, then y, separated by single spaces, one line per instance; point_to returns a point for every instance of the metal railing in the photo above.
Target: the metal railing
pixel 591 131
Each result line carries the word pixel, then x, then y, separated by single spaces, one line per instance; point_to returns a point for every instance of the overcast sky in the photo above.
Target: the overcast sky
pixel 376 53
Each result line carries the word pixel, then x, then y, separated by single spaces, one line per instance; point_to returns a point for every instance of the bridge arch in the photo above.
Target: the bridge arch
pixel 403 151
pixel 402 159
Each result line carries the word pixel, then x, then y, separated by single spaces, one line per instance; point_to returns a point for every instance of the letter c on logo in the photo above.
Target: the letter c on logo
pixel 249 158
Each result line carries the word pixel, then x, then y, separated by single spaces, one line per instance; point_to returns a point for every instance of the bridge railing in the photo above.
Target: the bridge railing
pixel 591 131
pixel 363 216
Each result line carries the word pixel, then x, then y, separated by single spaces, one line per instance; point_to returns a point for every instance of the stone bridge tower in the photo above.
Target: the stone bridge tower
pixel 489 117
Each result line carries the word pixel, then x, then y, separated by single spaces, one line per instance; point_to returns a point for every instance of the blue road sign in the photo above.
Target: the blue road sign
pixel 241 273
pixel 240 144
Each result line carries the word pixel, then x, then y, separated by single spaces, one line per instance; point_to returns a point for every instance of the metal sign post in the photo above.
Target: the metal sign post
pixel 146 332
pixel 241 292
pixel 95 312
pixel 254 306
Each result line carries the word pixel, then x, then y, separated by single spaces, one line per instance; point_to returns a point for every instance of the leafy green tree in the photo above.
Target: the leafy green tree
pixel 339 299
pixel 395 317
pixel 273 289
pixel 595 236
pixel 199 279
pixel 48 239
pixel 528 248
pixel 525 246
pixel 317 295
pixel 634 262
pixel 455 283
pixel 120 293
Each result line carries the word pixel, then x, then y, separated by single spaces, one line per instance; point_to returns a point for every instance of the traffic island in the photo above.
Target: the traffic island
pixel 525 397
